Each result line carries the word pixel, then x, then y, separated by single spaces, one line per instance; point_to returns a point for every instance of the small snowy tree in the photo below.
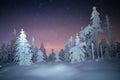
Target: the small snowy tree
pixel 57 59
pixel 51 57
pixel 33 49
pixel 4 53
pixel 42 48
pixel 77 53
pixel 62 55
pixel 12 46
pixel 23 54
pixel 39 56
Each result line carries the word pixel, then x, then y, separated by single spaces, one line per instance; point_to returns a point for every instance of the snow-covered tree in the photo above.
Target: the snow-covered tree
pixel 71 42
pixel 62 55
pixel 23 54
pixel 12 46
pixel 86 33
pixel 77 53
pixel 51 57
pixel 4 53
pixel 33 49
pixel 40 56
pixel 57 59
pixel 68 46
pixel 87 36
pixel 66 56
pixel 42 48
pixel 96 24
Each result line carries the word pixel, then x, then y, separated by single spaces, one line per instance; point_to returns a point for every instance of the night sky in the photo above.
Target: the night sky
pixel 53 21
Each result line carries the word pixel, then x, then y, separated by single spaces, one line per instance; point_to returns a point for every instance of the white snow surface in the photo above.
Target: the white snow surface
pixel 89 70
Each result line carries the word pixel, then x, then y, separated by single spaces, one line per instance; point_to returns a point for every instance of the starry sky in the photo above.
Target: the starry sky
pixel 53 21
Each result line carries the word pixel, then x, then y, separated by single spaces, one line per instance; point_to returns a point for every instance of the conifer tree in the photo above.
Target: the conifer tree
pixel 23 54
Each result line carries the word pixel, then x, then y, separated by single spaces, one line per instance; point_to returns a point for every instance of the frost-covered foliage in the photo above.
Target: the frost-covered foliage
pixel 4 52
pixel 42 48
pixel 77 40
pixel 33 50
pixel 85 46
pixel 91 32
pixel 57 59
pixel 68 46
pixel 40 56
pixel 96 24
pixel 62 55
pixel 12 47
pixel 77 53
pixel 23 54
pixel 70 42
pixel 51 57
pixel 95 18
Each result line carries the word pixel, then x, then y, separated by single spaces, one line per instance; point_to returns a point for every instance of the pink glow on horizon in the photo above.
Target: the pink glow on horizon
pixel 52 38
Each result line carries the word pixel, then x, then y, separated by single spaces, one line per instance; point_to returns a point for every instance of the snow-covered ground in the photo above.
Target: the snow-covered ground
pixel 90 70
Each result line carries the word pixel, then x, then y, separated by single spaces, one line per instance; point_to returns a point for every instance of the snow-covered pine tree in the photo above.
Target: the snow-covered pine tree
pixel 4 53
pixel 42 48
pixel 23 54
pixel 62 55
pixel 12 46
pixel 96 24
pixel 33 49
pixel 51 57
pixel 68 46
pixel 40 56
pixel 57 59
pixel 86 35
pixel 77 52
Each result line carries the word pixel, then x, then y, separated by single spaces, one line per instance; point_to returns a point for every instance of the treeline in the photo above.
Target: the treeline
pixel 84 47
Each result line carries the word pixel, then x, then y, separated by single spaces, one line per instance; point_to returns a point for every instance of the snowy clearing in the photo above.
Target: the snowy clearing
pixel 90 70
